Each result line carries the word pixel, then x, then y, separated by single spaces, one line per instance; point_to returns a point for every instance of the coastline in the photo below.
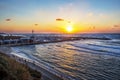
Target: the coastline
pixel 93 47
pixel 46 75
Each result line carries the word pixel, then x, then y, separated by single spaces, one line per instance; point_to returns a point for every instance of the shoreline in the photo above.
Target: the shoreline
pixel 46 73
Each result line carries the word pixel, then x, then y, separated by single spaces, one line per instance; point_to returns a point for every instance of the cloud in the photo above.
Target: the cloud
pixel 8 19
pixel 59 19
pixel 116 25
pixel 35 24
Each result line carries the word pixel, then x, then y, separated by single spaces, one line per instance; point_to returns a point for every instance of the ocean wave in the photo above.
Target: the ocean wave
pixel 99 49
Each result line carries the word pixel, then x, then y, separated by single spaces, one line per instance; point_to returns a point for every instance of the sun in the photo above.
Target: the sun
pixel 69 28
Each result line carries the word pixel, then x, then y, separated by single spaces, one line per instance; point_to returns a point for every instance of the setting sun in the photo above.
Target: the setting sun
pixel 69 28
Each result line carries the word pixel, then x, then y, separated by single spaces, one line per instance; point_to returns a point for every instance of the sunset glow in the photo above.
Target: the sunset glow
pixel 69 28
pixel 51 16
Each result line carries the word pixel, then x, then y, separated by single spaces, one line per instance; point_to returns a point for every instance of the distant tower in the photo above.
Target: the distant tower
pixel 32 37
pixel 32 33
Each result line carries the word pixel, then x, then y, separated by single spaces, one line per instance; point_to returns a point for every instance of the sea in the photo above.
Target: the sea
pixel 85 59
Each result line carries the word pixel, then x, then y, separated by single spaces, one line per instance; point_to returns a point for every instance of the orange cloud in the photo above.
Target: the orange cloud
pixel 8 19
pixel 59 19
pixel 116 26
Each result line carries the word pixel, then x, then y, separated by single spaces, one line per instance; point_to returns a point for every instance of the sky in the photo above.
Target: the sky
pixel 55 16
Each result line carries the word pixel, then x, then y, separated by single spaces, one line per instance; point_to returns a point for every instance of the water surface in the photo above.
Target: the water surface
pixel 81 60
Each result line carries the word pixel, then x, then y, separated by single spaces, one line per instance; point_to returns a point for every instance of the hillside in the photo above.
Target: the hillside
pixel 12 70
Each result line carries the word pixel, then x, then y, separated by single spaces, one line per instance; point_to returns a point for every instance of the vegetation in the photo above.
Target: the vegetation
pixel 12 70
